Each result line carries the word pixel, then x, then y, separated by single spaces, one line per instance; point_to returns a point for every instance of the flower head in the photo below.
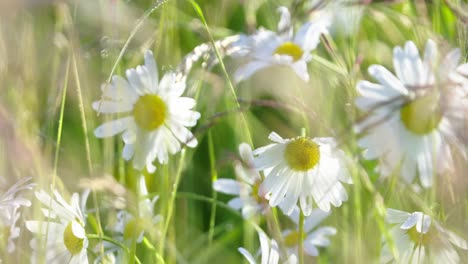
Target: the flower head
pixel 314 237
pixel 158 116
pixel 302 169
pixel 133 225
pixel 418 238
pixel 266 48
pixel 10 202
pixel 62 237
pixel 409 125
pixel 270 253
pixel 247 187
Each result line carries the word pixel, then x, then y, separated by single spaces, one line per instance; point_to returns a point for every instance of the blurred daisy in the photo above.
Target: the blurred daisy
pixel 159 116
pixel 266 48
pixel 345 15
pixel 10 202
pixel 270 253
pixel 249 197
pixel 62 237
pixel 313 238
pixel 410 124
pixel 133 226
pixel 419 239
pixel 304 169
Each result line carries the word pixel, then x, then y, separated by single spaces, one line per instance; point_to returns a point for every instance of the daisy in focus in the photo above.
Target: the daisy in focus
pixel 158 116
pixel 411 123
pixel 313 238
pixel 10 203
pixel 267 48
pixel 132 226
pixel 62 237
pixel 269 250
pixel 249 196
pixel 302 169
pixel 420 239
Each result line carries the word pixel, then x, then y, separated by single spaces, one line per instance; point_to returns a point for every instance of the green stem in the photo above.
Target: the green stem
pixel 223 68
pixel 301 238
pixel 214 177
pixel 170 208
pixel 109 239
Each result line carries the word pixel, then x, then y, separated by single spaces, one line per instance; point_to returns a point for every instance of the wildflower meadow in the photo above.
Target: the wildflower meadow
pixel 222 131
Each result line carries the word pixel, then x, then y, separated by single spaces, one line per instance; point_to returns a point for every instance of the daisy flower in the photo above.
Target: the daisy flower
pixel 314 238
pixel 158 116
pixel 266 48
pixel 345 15
pixel 10 202
pixel 409 121
pixel 62 237
pixel 302 169
pixel 132 226
pixel 249 197
pixel 419 239
pixel 270 253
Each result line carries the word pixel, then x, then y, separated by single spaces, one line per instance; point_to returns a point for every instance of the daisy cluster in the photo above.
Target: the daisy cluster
pixel 410 129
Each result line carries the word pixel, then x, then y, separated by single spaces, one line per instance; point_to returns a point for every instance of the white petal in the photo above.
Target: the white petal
pixel 236 203
pixel 112 107
pixel 310 249
pixel 274 253
pixel 245 152
pixel 182 134
pixel 247 255
pixel 300 67
pixel 265 249
pixel 284 25
pixel 387 79
pixel 152 67
pixel 273 136
pixel 112 128
pixel 170 86
pixel 244 72
pixel 396 216
pixel 308 35
pixel 228 186
pixel 314 218
pixel 456 240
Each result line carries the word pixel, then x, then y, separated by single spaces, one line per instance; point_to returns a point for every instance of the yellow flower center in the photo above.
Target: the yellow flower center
pixel 302 154
pixel 290 49
pixel 420 238
pixel 422 115
pixel 255 188
pixel 149 112
pixel 133 228
pixel 292 239
pixel 72 243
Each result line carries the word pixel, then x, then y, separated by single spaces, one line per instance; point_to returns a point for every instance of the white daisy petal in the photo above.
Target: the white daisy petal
pixel 308 35
pixel 236 203
pixel 112 128
pixel 248 70
pixel 109 107
pixel 150 64
pixel 247 255
pixel 227 186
